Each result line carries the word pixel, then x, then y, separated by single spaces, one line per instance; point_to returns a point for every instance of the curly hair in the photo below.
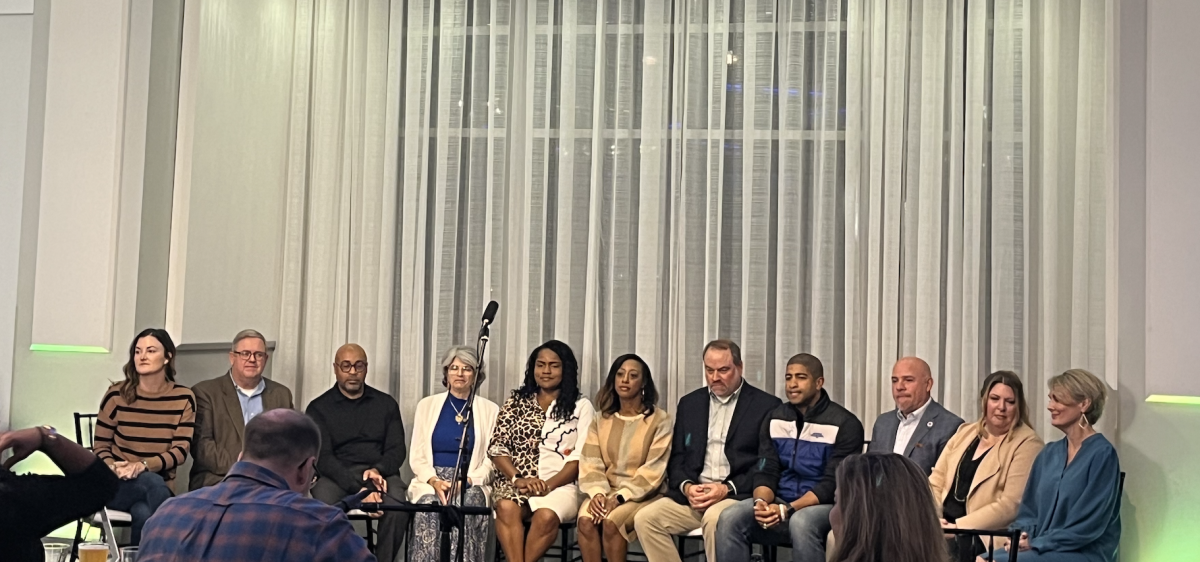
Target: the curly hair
pixel 564 406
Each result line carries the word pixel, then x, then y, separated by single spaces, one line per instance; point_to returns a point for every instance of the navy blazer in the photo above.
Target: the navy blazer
pixel 935 429
pixel 690 440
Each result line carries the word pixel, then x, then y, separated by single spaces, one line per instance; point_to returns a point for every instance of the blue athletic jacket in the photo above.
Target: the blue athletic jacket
pixel 799 453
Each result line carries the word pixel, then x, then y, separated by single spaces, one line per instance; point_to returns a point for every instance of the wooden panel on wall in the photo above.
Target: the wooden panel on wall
pixel 81 173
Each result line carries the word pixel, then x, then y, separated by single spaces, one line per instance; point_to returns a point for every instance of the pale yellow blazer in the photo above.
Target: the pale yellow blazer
pixel 999 482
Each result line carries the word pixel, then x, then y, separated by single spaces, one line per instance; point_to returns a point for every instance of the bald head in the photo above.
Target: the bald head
pixel 350 369
pixel 912 384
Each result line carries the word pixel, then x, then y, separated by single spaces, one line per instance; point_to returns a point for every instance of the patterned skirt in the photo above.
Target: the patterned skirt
pixel 425 541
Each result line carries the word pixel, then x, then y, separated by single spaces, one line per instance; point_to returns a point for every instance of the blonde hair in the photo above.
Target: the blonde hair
pixel 1081 385
pixel 1011 380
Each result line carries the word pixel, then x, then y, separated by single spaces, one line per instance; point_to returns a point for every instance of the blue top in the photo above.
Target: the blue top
pixel 447 432
pixel 252 405
pixel 1073 508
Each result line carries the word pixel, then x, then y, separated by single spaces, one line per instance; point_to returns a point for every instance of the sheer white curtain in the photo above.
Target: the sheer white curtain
pixel 342 166
pixel 861 180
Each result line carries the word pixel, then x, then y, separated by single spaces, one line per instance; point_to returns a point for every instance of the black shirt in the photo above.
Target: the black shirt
pixel 33 505
pixel 952 506
pixel 366 431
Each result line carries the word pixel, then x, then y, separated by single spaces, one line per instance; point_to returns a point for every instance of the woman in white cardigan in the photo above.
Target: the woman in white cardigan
pixel 436 433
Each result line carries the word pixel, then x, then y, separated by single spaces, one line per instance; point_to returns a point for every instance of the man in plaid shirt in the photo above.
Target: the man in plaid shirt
pixel 260 511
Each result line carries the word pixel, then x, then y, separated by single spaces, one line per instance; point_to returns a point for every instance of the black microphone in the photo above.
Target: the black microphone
pixel 489 313
pixel 353 501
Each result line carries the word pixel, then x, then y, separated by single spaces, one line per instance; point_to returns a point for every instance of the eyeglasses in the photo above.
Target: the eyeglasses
pixel 248 355
pixel 457 368
pixel 346 366
pixel 315 476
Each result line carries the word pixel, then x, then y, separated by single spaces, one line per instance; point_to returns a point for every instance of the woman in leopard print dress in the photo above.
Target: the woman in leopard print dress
pixel 535 446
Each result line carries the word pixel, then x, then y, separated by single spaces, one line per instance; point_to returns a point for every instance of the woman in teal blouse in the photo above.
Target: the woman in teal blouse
pixel 1071 510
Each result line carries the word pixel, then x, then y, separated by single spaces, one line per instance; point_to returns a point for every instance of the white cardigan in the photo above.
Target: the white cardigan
pixel 421 461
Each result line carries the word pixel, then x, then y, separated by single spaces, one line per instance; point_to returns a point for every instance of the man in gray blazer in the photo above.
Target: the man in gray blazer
pixel 919 427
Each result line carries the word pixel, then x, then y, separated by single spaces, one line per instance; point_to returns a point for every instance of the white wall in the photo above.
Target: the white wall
pixel 231 176
pixel 49 386
pixel 1158 196
pixel 16 52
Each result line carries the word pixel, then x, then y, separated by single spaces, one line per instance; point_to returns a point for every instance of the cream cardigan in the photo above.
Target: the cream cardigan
pixel 421 462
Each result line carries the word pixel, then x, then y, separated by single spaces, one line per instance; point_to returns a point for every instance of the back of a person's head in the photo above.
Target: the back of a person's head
pixel 281 436
pixel 887 512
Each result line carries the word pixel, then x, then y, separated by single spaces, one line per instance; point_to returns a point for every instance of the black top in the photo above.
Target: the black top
pixel 690 440
pixel 952 506
pixel 33 505
pixel 366 431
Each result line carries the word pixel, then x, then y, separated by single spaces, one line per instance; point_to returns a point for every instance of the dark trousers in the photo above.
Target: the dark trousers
pixel 392 525
pixel 141 498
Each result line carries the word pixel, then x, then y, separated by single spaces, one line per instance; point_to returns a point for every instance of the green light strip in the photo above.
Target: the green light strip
pixel 66 348
pixel 1169 399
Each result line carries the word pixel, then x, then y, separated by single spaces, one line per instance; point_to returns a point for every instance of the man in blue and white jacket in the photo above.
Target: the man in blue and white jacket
pixel 802 442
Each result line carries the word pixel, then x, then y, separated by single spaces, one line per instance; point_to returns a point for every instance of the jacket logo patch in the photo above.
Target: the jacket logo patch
pixel 819 433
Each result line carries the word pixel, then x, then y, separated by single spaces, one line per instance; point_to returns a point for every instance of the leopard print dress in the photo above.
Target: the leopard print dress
pixel 517 435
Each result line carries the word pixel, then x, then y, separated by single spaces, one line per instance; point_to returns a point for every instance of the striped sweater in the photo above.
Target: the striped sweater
pixel 626 456
pixel 156 428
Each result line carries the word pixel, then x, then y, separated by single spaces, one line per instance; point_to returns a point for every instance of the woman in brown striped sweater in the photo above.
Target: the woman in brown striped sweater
pixel 144 428
pixel 624 461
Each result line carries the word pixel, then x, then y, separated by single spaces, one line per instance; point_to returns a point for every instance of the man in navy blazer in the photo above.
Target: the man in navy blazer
pixel 919 427
pixel 714 451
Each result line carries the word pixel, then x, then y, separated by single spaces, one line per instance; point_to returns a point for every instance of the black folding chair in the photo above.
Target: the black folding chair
pixel 1014 536
pixel 105 519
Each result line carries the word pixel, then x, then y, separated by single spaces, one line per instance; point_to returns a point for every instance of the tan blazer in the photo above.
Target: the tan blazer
pixel 999 482
pixel 219 426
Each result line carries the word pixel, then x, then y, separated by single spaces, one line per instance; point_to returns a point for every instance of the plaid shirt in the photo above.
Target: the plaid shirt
pixel 251 515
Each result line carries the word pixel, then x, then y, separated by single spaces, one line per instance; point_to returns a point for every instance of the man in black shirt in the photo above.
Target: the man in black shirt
pixel 33 505
pixel 362 440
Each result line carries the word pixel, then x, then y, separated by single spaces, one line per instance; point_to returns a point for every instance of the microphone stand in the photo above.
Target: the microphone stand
pixel 453 516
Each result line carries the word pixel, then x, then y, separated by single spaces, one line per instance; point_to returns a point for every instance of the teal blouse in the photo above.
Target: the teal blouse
pixel 1073 512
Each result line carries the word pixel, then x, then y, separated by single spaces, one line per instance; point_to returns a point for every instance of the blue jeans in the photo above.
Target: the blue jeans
pixel 737 530
pixel 141 498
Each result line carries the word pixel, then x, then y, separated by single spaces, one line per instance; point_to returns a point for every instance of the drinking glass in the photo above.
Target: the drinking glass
pixel 56 552
pixel 93 552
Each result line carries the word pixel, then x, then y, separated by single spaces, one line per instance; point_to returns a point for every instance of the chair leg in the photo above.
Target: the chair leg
pixel 78 539
pixel 563 552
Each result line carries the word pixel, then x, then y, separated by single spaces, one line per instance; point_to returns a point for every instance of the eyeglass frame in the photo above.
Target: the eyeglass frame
pixel 246 355
pixel 345 366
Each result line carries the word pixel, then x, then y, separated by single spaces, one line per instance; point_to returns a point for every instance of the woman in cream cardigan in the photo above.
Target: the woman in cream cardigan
pixel 436 433
pixel 980 475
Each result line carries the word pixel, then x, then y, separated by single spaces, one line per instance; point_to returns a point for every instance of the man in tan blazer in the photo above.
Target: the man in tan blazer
pixel 226 403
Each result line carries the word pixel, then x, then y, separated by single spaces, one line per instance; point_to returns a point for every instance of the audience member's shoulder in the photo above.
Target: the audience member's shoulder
pixel 760 395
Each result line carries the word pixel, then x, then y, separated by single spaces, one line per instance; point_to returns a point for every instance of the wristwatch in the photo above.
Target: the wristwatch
pixel 620 499
pixel 48 434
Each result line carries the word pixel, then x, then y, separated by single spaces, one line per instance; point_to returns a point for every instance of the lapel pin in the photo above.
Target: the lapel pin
pixel 930 424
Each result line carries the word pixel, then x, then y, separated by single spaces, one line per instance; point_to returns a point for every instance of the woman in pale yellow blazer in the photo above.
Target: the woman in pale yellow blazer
pixel 980 476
